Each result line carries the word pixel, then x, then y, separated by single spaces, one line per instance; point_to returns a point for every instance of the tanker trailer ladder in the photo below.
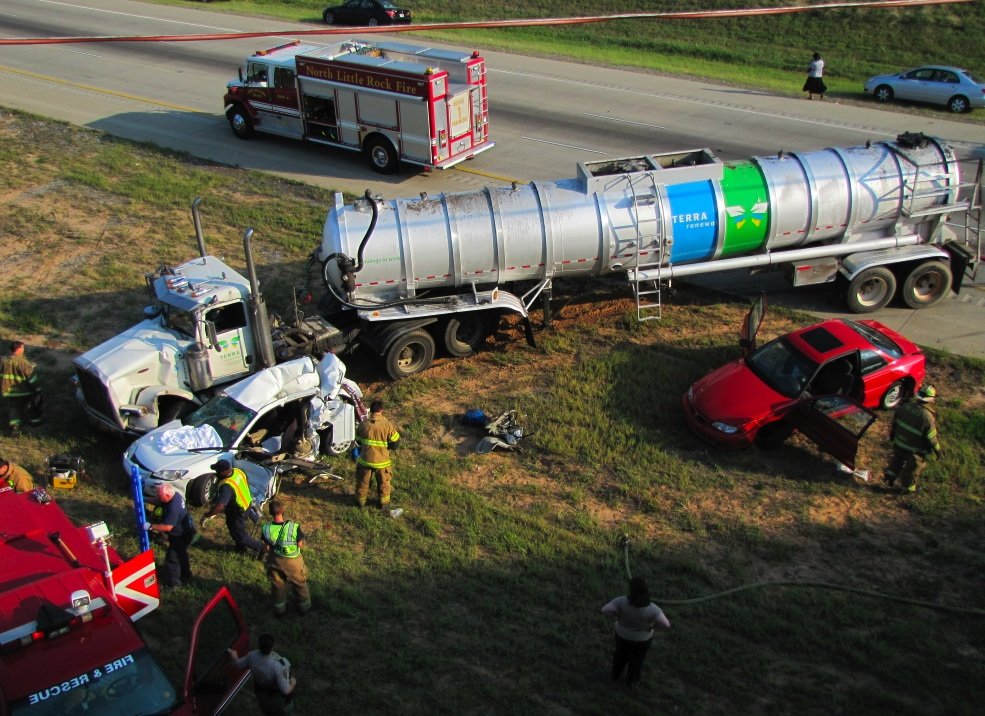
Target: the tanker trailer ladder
pixel 648 234
pixel 970 232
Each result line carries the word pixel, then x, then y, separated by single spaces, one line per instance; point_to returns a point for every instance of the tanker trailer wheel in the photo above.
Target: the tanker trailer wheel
pixel 240 122
pixel 409 354
pixel 883 93
pixel 199 491
pixel 382 156
pixel 465 333
pixel 927 284
pixel 959 104
pixel 872 289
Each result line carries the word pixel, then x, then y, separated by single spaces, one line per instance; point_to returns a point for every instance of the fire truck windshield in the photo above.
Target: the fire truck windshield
pixel 130 685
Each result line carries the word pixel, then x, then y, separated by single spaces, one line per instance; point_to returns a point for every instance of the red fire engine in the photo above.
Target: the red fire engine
pixel 393 101
pixel 68 645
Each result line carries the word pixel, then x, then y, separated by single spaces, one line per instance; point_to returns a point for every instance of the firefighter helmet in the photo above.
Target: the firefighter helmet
pixel 927 393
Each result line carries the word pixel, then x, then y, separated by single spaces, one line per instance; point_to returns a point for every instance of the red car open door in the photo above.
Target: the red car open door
pixel 835 423
pixel 211 679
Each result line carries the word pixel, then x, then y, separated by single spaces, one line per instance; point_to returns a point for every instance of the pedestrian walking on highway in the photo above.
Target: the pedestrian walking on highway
pixel 235 501
pixel 272 680
pixel 636 619
pixel 815 72
pixel 285 563
pixel 177 525
pixel 376 436
pixel 914 436
pixel 15 477
pixel 19 390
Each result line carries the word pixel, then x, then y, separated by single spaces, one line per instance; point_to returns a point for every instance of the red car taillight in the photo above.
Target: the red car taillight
pixel 390 13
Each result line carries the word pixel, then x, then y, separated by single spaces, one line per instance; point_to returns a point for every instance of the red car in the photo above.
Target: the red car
pixel 818 380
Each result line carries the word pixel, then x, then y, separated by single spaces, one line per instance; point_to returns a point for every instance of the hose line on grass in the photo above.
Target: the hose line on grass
pixel 624 541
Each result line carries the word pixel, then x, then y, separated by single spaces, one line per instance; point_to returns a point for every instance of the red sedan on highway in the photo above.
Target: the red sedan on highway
pixel 774 389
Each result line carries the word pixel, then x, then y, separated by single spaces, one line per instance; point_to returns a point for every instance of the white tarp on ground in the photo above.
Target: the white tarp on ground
pixel 271 384
pixel 185 438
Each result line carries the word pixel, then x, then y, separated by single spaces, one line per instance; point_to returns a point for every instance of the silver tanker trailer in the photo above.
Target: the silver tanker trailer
pixel 887 219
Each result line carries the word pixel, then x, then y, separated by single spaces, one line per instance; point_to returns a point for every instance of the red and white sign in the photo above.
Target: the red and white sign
pixel 137 590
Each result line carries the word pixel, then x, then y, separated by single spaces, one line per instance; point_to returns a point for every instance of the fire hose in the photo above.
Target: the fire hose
pixel 624 543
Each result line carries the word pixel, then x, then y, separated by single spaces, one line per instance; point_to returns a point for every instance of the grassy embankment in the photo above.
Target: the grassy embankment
pixel 767 52
pixel 483 597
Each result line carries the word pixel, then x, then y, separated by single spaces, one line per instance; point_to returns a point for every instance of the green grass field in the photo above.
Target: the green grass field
pixel 484 596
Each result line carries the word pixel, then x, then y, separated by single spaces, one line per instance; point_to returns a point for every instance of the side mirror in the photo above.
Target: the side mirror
pixel 213 338
pixel 151 312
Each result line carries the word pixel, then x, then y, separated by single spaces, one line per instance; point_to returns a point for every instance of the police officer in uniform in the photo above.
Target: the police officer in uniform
pixel 376 437
pixel 285 563
pixel 914 436
pixel 272 680
pixel 176 524
pixel 234 500
pixel 18 387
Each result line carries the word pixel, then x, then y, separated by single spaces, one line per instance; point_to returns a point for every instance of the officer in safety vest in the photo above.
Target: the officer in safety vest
pixel 18 387
pixel 914 436
pixel 234 500
pixel 15 477
pixel 376 437
pixel 285 564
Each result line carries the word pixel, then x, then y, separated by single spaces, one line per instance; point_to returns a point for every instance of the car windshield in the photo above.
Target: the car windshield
pixel 179 320
pixel 878 339
pixel 228 417
pixel 130 685
pixel 782 367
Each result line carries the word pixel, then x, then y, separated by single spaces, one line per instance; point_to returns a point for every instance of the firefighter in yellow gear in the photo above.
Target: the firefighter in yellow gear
pixel 15 477
pixel 914 436
pixel 376 436
pixel 285 563
pixel 18 386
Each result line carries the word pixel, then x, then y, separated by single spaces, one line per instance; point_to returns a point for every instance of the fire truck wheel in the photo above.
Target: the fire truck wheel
pixel 465 333
pixel 199 491
pixel 927 284
pixel 382 155
pixel 409 354
pixel 872 289
pixel 240 122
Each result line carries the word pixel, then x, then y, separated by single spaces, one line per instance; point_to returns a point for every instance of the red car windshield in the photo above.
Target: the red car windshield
pixel 782 367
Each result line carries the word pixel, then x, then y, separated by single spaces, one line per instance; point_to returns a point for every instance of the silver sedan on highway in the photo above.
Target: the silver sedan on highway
pixel 958 90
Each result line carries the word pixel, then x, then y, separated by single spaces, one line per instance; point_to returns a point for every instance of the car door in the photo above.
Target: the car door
pixel 212 679
pixel 751 323
pixel 228 325
pixel 942 87
pixel 835 423
pixel 915 85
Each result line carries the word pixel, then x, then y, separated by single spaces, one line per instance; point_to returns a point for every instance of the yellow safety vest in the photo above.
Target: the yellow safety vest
pixel 284 537
pixel 241 488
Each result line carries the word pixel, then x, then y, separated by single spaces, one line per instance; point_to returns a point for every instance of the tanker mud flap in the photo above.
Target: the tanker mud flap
pixel 961 258
pixel 528 331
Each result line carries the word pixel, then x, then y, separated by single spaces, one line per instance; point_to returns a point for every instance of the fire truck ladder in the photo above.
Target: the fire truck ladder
pixel 648 245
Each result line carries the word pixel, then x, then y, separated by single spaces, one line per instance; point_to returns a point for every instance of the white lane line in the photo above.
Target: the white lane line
pixel 79 52
pixel 566 146
pixel 623 121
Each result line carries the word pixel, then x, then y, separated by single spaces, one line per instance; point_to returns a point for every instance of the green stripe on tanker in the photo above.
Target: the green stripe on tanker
pixel 747 208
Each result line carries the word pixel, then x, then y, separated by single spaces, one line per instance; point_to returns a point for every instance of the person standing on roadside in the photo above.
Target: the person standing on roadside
pixel 285 563
pixel 636 619
pixel 815 72
pixel 234 499
pixel 177 525
pixel 272 680
pixel 19 389
pixel 376 436
pixel 914 436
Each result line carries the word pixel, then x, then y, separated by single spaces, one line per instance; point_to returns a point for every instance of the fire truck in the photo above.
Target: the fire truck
pixel 394 102
pixel 68 644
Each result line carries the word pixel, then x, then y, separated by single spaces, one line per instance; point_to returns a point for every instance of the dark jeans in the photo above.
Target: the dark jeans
pixel 236 523
pixel 629 653
pixel 176 565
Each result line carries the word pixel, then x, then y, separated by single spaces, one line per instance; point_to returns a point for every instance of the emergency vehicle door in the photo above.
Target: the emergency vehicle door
pixel 835 423
pixel 229 339
pixel 751 323
pixel 212 680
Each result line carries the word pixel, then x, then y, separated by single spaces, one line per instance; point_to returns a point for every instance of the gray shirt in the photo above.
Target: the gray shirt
pixel 634 623
pixel 272 671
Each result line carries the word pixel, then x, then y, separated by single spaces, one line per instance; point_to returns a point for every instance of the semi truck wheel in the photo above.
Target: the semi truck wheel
pixel 465 333
pixel 174 410
pixel 240 122
pixel 872 289
pixel 382 156
pixel 199 490
pixel 409 354
pixel 927 284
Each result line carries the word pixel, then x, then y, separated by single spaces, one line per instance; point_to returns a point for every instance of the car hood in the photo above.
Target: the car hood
pixel 149 452
pixel 735 395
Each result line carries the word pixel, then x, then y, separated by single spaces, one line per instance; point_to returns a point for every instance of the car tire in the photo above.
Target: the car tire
pixel 773 435
pixel 329 17
pixel 870 290
pixel 199 491
pixel 409 354
pixel 240 122
pixel 894 395
pixel 327 447
pixel 959 104
pixel 926 285
pixel 382 156
pixel 883 93
pixel 373 22
pixel 465 333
